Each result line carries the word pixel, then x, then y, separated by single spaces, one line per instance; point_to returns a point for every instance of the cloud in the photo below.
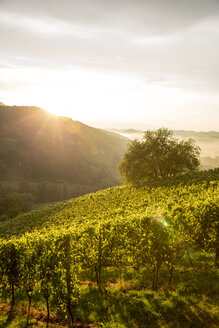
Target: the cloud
pixel 171 44
pixel 174 37
pixel 154 16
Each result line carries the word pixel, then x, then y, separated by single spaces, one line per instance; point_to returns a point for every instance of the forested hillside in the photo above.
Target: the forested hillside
pixel 54 157
pixel 155 237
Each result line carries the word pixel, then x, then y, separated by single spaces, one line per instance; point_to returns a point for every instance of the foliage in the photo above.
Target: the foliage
pixel 158 155
pixel 14 204
pixel 193 303
pixel 150 228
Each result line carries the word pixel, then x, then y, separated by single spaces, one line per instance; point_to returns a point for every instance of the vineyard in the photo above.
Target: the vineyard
pixel 122 248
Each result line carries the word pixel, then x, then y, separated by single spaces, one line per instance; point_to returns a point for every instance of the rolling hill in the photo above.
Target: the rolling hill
pixel 121 202
pixel 120 257
pixel 55 156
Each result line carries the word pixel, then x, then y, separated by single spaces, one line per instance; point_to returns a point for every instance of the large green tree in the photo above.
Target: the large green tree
pixel 159 155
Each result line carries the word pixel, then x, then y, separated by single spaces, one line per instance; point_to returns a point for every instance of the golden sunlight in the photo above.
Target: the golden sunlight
pixel 90 97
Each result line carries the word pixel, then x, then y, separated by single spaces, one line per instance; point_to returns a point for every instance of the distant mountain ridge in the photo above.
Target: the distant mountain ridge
pixel 36 146
pixel 207 141
pixel 177 132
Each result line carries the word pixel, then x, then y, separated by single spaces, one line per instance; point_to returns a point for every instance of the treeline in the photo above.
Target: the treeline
pixel 46 191
pixel 154 232
pixel 15 204
pixel 24 196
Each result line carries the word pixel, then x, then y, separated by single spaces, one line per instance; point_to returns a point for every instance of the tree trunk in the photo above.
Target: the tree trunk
pixel 170 275
pixel 189 257
pixel 70 315
pixel 98 271
pixel 28 310
pixel 48 313
pixel 68 277
pixel 97 276
pixel 120 276
pixel 12 295
pixel 217 249
pixel 100 275
pixel 155 276
pixel 99 265
pixel 29 303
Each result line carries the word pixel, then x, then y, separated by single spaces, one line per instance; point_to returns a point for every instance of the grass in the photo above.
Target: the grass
pixel 192 302
pixel 15 319
pixel 18 318
pixel 118 307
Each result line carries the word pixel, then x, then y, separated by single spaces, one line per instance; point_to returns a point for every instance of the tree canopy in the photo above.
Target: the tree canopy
pixel 159 155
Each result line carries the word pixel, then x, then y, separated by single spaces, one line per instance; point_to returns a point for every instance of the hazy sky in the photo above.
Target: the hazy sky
pixel 114 63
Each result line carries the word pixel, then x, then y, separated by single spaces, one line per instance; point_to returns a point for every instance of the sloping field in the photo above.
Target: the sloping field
pixel 116 203
pixel 121 257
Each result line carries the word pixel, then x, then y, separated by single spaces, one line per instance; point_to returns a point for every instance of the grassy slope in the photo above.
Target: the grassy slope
pixel 191 303
pixel 108 204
